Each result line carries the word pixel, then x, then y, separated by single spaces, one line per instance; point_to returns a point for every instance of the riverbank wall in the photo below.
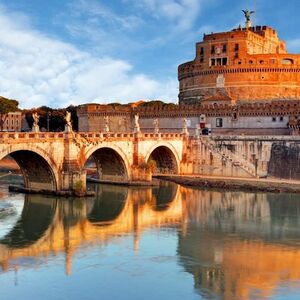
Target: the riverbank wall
pixel 271 185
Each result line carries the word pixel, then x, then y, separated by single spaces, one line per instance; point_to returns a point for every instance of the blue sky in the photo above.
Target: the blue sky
pixel 61 52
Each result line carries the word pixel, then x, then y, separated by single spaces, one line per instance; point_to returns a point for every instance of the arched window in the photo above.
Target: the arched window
pixel 287 61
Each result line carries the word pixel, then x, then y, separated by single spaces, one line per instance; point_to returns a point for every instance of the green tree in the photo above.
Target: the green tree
pixel 6 106
pixel 55 115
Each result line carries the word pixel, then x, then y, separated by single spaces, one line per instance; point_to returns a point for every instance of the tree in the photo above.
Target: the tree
pixel 6 106
pixel 56 117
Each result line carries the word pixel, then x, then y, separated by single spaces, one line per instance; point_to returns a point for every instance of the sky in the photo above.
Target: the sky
pixel 62 52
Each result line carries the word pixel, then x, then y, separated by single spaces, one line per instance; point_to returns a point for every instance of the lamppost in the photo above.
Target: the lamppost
pixel 48 120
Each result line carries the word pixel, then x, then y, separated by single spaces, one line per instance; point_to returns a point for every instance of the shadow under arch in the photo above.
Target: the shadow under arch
pixel 36 170
pixel 163 195
pixel 36 218
pixel 108 205
pixel 165 160
pixel 111 166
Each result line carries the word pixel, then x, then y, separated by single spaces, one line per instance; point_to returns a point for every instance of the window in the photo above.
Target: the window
pixel 201 59
pixel 224 49
pixel 281 119
pixel 236 47
pixel 212 49
pixel 219 122
pixel 201 51
pixel 287 61
pixel 274 119
pixel 218 61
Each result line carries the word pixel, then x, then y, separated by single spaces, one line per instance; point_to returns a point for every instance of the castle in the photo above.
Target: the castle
pixel 241 82
pixel 245 64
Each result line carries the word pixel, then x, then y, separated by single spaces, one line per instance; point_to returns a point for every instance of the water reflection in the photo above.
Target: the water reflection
pixel 50 225
pixel 234 245
pixel 240 245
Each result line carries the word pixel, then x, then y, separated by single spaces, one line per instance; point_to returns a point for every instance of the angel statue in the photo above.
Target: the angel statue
pixel 35 125
pixel 106 124
pixel 156 125
pixel 36 118
pixel 136 124
pixel 185 126
pixel 248 14
pixel 68 120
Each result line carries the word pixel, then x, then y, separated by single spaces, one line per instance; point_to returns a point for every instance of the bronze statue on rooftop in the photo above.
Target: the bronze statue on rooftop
pixel 248 14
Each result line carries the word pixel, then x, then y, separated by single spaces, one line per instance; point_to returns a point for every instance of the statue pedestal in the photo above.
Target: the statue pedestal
pixel 68 129
pixel 35 128
pixel 136 130
pixel 185 131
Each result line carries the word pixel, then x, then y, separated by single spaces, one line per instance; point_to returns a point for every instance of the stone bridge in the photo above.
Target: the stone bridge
pixel 56 161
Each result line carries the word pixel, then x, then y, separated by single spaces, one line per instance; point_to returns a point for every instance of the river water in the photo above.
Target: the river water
pixel 165 242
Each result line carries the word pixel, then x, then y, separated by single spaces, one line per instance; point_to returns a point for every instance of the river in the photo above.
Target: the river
pixel 164 242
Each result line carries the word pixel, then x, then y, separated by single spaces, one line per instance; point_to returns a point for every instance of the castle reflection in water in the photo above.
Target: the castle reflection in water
pixel 232 243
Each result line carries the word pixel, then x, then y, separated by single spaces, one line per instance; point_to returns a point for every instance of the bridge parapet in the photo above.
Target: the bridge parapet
pixel 256 138
pixel 92 135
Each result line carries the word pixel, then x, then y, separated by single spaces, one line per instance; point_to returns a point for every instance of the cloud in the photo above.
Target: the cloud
pixel 182 13
pixel 96 10
pixel 39 70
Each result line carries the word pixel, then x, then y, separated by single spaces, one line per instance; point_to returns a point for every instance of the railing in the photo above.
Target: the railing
pixel 31 135
pixel 255 138
pixel 86 135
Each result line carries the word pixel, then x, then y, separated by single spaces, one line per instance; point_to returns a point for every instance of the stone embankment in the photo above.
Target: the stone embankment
pixel 271 185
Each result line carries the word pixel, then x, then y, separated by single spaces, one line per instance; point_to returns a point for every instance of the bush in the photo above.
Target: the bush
pixel 78 186
pixel 149 166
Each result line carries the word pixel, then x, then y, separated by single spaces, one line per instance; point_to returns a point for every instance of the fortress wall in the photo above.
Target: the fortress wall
pixel 285 160
pixel 195 94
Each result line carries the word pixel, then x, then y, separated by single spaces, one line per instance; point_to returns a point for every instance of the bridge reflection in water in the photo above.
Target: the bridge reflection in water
pixel 235 245
pixel 49 225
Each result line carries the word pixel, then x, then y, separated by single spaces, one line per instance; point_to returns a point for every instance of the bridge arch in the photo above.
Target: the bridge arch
pixel 166 158
pixel 38 169
pixel 112 163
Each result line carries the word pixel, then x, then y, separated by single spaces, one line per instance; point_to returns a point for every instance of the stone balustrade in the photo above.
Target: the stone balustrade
pixel 89 135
